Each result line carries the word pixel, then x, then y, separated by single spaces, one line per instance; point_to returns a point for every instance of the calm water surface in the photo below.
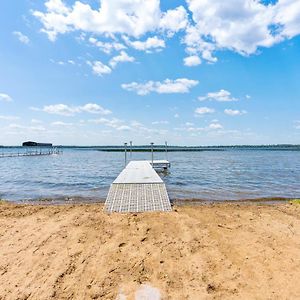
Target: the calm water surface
pixel 221 175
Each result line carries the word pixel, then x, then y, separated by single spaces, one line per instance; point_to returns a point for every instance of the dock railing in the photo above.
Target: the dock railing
pixel 30 151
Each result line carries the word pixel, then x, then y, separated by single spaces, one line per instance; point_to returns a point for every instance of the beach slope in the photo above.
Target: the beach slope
pixel 217 251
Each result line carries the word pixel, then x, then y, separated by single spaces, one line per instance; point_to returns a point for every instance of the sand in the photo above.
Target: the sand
pixel 217 251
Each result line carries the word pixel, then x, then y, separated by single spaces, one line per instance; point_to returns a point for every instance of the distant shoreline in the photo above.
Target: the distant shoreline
pixel 172 148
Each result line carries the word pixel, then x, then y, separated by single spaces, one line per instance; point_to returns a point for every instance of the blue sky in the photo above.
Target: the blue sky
pixel 190 72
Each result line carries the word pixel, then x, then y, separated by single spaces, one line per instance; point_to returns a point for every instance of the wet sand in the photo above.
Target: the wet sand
pixel 215 251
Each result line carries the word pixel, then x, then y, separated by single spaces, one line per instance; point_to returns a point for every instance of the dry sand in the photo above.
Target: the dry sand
pixel 219 251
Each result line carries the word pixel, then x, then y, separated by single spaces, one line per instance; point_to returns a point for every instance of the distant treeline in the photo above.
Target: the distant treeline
pixel 171 148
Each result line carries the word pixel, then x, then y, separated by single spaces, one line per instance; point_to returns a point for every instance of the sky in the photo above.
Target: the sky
pixel 190 72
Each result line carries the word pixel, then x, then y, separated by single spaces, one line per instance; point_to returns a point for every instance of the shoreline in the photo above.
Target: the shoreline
pixel 216 251
pixel 77 200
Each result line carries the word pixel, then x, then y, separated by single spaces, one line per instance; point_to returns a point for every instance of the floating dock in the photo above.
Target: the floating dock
pixel 138 188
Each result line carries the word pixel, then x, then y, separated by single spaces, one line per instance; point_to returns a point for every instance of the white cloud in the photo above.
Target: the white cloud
pixel 5 97
pixel 204 110
pixel 211 127
pixel 124 128
pixel 99 68
pixel 180 85
pixel 29 128
pixel 60 109
pixel 107 47
pixel 122 57
pixel 21 37
pixel 63 63
pixel 114 123
pixel 189 124
pixel 9 118
pixel 149 44
pixel 94 108
pixel 174 20
pixel 130 17
pixel 160 123
pixel 192 60
pixel 61 124
pixel 66 110
pixel 215 126
pixel 232 112
pixel 221 96
pixel 241 26
pixel 297 124
pixel 35 121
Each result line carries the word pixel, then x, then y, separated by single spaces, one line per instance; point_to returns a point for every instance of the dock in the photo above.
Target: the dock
pixel 138 188
pixel 36 152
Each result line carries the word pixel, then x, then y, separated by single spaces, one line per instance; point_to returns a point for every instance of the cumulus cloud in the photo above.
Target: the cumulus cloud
pixel 204 110
pixel 241 26
pixel 94 108
pixel 66 110
pixel 5 97
pixel 130 17
pixel 168 86
pixel 234 112
pixel 122 57
pixel 107 47
pixel 192 60
pixel 174 20
pixel 221 96
pixel 149 44
pixel 21 37
pixel 99 68
pixel 215 126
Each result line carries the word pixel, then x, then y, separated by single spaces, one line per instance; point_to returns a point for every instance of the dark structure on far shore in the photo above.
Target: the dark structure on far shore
pixel 35 144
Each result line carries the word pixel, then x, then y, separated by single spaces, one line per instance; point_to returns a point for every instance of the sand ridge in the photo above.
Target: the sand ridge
pixel 216 251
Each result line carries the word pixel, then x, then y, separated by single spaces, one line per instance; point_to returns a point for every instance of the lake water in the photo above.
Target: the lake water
pixel 206 175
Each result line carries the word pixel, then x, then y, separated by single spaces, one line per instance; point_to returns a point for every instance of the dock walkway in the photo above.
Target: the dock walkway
pixel 138 188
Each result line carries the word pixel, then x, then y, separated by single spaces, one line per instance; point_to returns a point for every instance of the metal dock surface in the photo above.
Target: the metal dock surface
pixel 138 188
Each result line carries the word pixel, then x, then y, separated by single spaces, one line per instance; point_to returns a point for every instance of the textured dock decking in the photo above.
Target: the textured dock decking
pixel 138 188
pixel 138 172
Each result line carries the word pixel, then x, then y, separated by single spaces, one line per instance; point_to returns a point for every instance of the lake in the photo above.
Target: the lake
pixel 86 175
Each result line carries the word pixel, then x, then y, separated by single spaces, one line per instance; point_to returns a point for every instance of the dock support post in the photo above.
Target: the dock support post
pixel 125 149
pixel 152 153
pixel 166 150
pixel 130 150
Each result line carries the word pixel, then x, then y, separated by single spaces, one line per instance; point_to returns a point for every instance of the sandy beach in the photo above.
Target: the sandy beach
pixel 215 251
